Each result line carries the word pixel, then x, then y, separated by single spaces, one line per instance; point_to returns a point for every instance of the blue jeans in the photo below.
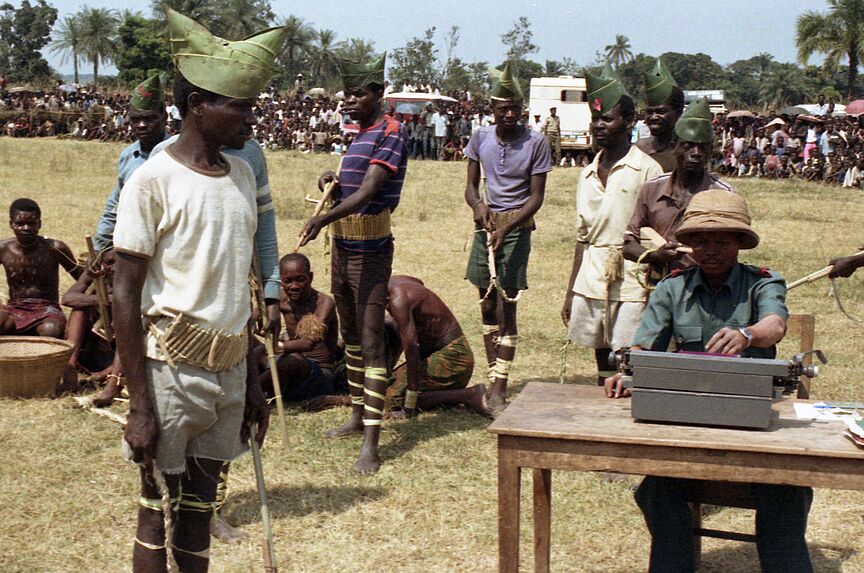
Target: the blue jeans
pixel 781 522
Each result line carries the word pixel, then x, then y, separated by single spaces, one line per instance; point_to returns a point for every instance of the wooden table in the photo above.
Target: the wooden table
pixel 572 427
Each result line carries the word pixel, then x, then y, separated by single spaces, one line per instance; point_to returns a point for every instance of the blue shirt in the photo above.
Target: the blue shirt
pixel 684 307
pixel 131 158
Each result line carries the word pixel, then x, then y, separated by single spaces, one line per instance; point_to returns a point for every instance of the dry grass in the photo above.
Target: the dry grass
pixel 69 501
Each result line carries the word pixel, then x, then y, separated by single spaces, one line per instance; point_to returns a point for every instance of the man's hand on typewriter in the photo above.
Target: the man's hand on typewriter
pixel 727 341
pixel 614 387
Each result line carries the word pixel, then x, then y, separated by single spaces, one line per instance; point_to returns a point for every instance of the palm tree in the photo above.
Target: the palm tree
pixel 298 38
pixel 619 52
pixel 98 36
pixel 357 49
pixel 324 55
pixel 236 19
pixel 782 86
pixel 837 34
pixel 67 42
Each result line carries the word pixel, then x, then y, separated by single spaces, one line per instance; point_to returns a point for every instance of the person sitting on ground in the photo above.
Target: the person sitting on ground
pixel 93 353
pixel 732 309
pixel 311 362
pixel 438 363
pixel 32 263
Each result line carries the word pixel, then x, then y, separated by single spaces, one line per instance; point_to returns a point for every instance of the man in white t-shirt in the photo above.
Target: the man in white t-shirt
pixel 184 239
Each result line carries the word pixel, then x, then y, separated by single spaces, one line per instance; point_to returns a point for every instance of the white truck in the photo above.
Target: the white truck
pixel 570 96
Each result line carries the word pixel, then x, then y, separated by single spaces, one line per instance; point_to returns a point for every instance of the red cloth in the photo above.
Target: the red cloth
pixel 29 313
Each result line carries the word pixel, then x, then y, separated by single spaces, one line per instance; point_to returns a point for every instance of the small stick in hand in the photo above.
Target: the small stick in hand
pixel 328 191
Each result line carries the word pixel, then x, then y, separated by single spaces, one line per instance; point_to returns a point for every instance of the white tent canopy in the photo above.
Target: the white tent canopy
pixel 418 96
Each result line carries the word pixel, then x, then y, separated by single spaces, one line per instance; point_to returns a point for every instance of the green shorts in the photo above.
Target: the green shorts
pixel 511 261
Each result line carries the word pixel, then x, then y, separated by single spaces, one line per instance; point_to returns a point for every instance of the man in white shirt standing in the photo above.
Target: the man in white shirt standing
pixel 186 227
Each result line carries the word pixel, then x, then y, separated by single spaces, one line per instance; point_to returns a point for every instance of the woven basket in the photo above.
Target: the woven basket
pixel 32 365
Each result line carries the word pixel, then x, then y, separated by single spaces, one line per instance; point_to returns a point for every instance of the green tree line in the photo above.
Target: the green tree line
pixel 136 45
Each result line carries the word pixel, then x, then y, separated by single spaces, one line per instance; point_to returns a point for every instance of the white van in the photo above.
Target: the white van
pixel 570 96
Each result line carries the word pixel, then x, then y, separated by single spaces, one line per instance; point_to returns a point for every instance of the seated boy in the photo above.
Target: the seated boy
pixel 31 262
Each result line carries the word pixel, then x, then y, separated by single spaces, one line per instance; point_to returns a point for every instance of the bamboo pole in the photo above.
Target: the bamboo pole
pixel 328 191
pixel 267 542
pixel 101 293
pixel 816 275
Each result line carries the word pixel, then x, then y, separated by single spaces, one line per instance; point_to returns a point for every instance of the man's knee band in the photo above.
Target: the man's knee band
pixel 502 368
pixel 490 329
pixel 509 340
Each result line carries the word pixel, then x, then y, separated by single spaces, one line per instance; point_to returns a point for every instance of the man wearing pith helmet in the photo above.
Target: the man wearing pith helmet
pixel 720 306
pixel 186 228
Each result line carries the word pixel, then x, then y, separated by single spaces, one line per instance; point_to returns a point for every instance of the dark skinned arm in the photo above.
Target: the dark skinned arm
pixel 142 429
pixel 67 259
pixel 256 411
pixel 323 311
pixel 375 177
pixel 77 298
pixel 845 266
pixel 531 206
pixel 482 214
pixel 400 310
pixel 568 296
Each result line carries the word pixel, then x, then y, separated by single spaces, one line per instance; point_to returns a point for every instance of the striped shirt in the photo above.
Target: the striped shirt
pixel 384 144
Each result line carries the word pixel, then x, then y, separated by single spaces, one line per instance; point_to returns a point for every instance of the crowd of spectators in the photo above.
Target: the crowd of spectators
pixel 822 148
pixel 818 147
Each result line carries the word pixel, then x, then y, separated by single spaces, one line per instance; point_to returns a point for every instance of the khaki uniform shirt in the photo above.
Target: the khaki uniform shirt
pixel 602 214
pixel 552 125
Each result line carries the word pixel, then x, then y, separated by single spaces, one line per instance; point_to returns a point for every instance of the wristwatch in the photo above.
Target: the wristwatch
pixel 748 335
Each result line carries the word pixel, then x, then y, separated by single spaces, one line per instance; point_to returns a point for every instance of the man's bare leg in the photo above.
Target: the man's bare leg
pixel 7 323
pixel 356 377
pixel 505 352
pixel 473 398
pixel 219 528
pixel 112 387
pixel 76 332
pixel 148 553
pixel 491 329
pixel 605 368
pixel 195 510
pixel 374 386
pixel 51 328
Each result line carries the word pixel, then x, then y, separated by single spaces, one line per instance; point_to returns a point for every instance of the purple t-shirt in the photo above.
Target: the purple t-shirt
pixel 508 167
pixel 384 144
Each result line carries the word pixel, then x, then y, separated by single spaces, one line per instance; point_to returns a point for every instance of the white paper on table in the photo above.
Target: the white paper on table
pixel 822 411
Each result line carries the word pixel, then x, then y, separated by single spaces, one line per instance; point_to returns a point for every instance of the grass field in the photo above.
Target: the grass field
pixel 68 501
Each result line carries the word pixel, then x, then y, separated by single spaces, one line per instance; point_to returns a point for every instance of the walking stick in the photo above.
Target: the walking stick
pixel 101 296
pixel 814 276
pixel 269 346
pixel 267 546
pixel 328 191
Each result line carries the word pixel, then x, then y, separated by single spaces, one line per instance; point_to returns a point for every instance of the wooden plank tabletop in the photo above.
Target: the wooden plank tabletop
pixel 579 412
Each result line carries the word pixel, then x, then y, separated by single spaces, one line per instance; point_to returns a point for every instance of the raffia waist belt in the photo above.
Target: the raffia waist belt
pixel 501 218
pixel 180 340
pixel 362 227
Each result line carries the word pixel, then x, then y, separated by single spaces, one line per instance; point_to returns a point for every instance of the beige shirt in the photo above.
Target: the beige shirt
pixel 197 231
pixel 602 214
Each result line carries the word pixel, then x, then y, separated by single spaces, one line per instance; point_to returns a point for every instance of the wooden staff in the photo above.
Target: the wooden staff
pixel 328 191
pixel 814 276
pixel 267 544
pixel 269 347
pixel 101 293
pixel 659 240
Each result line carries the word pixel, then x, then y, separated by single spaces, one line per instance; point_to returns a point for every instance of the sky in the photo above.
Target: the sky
pixel 727 30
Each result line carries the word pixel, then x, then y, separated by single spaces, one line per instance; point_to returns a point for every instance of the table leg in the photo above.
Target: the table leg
pixel 509 478
pixel 542 519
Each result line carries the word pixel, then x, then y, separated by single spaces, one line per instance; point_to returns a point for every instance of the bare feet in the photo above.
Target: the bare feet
pixel 496 401
pixel 354 425
pixel 106 397
pixel 368 463
pixel 220 529
pixel 477 401
pixel 70 379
